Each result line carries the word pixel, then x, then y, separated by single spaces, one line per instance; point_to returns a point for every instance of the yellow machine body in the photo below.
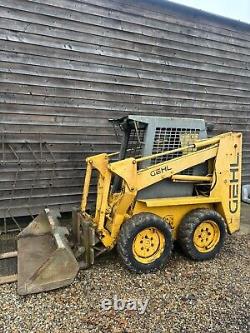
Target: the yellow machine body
pixel 223 153
pixel 53 261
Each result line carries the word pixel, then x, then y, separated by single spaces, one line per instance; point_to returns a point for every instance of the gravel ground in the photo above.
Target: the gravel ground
pixel 186 297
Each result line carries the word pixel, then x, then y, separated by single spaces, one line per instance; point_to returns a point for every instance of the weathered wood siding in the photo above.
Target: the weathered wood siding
pixel 68 66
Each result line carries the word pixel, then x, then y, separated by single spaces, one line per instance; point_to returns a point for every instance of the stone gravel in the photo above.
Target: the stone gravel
pixel 187 296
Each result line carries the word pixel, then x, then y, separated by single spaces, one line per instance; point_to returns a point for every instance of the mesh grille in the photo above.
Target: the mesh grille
pixel 134 147
pixel 168 139
pixel 165 139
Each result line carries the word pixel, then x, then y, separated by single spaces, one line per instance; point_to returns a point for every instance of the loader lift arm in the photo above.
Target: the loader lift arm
pixel 155 173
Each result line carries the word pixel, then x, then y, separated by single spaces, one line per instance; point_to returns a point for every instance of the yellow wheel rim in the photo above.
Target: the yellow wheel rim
pixel 148 245
pixel 206 236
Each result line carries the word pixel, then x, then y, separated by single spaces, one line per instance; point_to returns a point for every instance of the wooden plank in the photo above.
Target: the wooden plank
pixel 125 93
pixel 140 43
pixel 145 13
pixel 99 112
pixel 39 81
pixel 8 279
pixel 23 72
pixel 99 23
pixel 147 37
pixel 110 101
pixel 160 58
pixel 8 255
pixel 86 62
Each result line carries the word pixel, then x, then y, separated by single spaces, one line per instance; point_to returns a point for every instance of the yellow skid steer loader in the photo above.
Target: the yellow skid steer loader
pixel 169 182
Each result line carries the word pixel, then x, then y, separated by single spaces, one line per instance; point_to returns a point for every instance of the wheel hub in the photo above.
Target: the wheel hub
pixel 206 236
pixel 148 245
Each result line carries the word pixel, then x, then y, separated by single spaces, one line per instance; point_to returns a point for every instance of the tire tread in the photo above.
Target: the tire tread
pixel 187 227
pixel 124 241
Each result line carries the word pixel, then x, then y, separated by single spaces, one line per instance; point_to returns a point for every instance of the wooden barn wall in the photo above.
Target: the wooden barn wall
pixel 68 66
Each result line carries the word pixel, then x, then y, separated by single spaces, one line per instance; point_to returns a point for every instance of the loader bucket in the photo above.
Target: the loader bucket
pixel 45 259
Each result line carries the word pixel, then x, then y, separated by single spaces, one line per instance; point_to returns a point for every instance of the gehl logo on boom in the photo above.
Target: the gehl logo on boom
pixel 234 186
pixel 158 171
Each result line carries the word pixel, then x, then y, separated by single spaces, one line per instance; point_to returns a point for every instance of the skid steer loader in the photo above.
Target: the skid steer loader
pixel 169 182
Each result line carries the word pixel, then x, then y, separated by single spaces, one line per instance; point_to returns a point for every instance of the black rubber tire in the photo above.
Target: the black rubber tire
pixel 187 229
pixel 130 229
